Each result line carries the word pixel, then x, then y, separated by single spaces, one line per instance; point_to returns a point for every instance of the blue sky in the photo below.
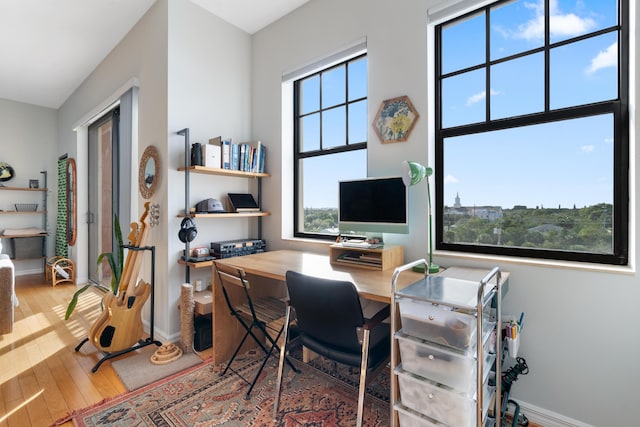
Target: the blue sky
pixel 552 165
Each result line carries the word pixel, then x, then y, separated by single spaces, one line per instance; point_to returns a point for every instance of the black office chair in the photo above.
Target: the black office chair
pixel 264 315
pixel 329 322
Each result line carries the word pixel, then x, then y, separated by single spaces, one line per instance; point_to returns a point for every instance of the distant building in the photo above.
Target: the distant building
pixel 491 213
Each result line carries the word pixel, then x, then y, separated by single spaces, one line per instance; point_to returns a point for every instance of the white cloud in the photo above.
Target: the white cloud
pixel 608 140
pixel 450 179
pixel 480 96
pixel 587 148
pixel 562 25
pixel 604 59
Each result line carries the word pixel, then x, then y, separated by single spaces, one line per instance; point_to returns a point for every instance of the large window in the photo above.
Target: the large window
pixel 330 138
pixel 532 130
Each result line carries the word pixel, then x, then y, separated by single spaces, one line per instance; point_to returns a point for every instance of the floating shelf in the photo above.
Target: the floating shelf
pixel 223 172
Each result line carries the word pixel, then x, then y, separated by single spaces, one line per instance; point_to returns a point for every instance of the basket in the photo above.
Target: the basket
pixel 26 207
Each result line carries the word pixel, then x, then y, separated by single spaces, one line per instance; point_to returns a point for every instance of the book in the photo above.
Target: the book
pixel 226 154
pixel 235 157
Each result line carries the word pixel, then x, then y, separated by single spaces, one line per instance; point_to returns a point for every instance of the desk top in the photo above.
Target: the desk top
pixel 371 284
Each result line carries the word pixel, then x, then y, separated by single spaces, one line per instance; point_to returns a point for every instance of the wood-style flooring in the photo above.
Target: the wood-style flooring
pixel 42 378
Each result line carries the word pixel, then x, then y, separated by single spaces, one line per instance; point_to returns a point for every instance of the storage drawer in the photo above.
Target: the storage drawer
pixel 454 369
pixel 410 418
pixel 442 325
pixel 440 403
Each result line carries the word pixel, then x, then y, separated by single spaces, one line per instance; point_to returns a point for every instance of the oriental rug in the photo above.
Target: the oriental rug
pixel 323 394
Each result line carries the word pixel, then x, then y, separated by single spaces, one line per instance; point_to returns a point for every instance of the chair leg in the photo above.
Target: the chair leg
pixel 363 377
pixel 283 351
pixel 244 338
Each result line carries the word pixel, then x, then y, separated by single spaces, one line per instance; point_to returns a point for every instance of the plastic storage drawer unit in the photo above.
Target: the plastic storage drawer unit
pixel 410 418
pixel 455 370
pixel 440 324
pixel 442 404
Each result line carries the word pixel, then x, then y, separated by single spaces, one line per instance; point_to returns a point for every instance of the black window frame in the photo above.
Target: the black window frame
pixel 299 155
pixel 618 107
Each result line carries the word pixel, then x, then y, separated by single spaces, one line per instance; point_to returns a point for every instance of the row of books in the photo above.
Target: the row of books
pixel 246 157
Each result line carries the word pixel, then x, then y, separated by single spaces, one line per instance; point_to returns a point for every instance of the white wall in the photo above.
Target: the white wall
pixel 582 363
pixel 28 129
pixel 140 57
pixel 209 93
pixel 193 71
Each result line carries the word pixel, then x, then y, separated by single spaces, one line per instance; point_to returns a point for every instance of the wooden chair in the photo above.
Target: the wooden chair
pixel 330 322
pixel 59 269
pixel 262 318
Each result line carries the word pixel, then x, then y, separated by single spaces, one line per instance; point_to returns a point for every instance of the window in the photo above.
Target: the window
pixel 532 132
pixel 330 139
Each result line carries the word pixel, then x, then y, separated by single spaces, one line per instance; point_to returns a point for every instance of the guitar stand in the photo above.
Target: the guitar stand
pixel 143 342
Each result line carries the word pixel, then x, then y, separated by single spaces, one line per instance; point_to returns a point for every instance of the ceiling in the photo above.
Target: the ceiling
pixel 49 47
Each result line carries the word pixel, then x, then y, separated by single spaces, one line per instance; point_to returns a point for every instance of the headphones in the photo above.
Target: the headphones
pixel 188 230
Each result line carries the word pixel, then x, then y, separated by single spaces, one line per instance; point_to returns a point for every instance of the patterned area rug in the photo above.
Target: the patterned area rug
pixel 322 395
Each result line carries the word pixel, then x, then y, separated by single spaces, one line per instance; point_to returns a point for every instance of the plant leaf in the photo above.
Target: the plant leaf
pixel 74 301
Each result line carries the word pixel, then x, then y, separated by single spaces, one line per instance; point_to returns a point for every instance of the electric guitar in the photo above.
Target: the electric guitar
pixel 120 324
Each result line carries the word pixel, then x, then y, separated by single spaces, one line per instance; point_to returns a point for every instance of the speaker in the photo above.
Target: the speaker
pixel 188 230
pixel 203 336
pixel 196 154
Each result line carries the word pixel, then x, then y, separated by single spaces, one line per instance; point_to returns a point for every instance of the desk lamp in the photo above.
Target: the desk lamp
pixel 412 174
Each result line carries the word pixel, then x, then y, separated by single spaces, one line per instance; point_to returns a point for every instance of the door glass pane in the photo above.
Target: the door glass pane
pixel 100 198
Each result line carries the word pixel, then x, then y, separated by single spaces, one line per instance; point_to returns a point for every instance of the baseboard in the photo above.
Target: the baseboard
pixel 547 418
pixel 27 272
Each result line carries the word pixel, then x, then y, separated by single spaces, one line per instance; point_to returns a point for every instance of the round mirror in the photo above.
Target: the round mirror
pixel 71 202
pixel 149 172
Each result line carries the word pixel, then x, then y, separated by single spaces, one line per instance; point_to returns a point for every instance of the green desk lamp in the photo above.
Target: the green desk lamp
pixel 412 174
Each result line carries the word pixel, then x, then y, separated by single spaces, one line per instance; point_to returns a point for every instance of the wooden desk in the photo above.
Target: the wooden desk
pixel 371 284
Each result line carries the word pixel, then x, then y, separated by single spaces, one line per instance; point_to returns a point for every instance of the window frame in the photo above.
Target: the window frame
pixel 299 156
pixel 618 107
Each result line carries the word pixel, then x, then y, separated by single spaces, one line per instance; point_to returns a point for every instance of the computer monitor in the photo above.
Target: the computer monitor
pixel 373 205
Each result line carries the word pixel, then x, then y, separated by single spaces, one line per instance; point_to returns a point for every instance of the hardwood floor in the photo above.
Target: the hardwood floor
pixel 42 378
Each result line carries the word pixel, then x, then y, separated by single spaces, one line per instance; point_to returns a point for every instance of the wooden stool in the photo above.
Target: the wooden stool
pixel 60 270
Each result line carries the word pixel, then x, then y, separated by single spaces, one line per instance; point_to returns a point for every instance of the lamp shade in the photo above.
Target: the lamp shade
pixel 413 173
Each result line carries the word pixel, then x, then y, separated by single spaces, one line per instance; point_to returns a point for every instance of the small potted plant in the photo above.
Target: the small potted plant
pixel 116 265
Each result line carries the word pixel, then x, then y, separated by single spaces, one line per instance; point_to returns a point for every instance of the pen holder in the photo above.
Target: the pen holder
pixel 512 346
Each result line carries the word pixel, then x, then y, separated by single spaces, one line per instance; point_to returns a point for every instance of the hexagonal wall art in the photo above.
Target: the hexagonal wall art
pixel 395 119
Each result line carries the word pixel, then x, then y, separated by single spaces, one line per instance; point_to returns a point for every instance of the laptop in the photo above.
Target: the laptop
pixel 243 202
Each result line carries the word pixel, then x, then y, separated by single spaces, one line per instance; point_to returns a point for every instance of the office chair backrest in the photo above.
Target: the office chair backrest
pixel 326 310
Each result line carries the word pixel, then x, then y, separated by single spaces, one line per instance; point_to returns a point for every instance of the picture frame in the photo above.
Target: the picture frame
pixel 395 119
pixel 34 183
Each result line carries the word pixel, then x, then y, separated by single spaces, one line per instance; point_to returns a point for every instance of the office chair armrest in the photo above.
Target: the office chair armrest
pixel 377 318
